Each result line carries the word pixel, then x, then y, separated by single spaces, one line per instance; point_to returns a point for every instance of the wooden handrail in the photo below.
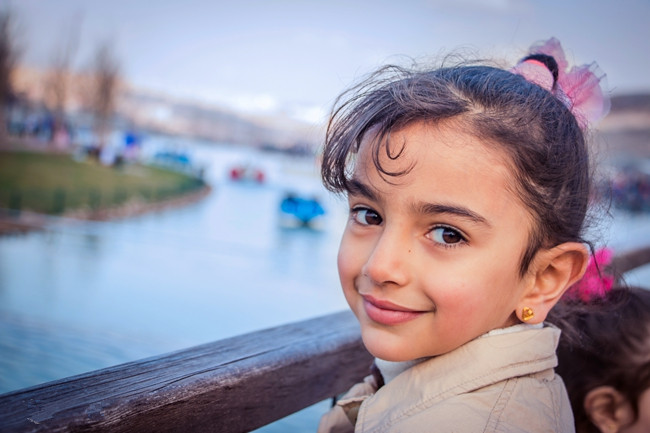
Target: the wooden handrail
pixel 629 260
pixel 233 385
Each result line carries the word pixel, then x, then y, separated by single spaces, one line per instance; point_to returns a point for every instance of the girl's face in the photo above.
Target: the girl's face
pixel 430 260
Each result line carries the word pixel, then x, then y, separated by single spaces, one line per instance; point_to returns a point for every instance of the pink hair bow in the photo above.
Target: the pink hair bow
pixel 578 88
pixel 596 282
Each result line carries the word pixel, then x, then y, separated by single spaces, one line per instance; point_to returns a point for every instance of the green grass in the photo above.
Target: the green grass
pixel 55 183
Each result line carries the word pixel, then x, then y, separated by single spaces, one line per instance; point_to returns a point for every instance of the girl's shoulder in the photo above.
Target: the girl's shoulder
pixel 501 379
pixel 342 417
pixel 521 404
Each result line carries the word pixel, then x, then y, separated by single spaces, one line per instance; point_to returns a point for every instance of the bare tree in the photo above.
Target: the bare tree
pixel 8 58
pixel 105 79
pixel 58 78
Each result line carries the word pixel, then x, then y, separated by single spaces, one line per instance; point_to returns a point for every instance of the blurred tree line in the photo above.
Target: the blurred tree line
pixel 8 59
pixel 98 84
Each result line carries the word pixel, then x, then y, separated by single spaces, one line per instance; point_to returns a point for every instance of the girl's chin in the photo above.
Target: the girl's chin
pixel 383 348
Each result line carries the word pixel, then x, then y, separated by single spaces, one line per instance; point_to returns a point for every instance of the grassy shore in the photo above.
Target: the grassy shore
pixel 56 184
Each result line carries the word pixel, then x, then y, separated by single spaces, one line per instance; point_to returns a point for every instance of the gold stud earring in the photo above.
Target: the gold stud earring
pixel 527 314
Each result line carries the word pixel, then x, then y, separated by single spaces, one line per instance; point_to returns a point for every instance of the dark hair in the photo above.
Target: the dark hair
pixel 604 343
pixel 545 144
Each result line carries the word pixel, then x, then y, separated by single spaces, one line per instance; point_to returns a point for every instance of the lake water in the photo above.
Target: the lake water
pixel 82 296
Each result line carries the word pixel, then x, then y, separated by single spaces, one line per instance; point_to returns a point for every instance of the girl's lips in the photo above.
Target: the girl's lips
pixel 387 313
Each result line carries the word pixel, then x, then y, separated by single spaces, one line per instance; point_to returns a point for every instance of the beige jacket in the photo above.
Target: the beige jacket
pixel 495 383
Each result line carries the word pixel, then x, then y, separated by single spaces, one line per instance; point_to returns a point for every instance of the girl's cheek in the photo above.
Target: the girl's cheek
pixel 342 260
pixel 349 260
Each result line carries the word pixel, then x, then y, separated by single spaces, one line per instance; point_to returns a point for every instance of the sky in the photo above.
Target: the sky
pixel 263 56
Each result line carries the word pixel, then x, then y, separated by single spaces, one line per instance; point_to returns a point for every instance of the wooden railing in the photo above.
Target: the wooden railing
pixel 629 260
pixel 233 385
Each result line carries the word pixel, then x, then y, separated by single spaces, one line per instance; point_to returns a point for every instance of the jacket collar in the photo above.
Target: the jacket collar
pixel 481 362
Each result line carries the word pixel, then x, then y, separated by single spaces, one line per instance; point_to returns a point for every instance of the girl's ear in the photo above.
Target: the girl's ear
pixel 608 409
pixel 551 273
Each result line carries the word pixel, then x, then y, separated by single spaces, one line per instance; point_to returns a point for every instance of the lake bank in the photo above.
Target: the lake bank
pixel 41 184
pixel 24 221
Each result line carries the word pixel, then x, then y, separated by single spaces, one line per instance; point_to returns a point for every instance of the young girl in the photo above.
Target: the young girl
pixel 604 359
pixel 468 188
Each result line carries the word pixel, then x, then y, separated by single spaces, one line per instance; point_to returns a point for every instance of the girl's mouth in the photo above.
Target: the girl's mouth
pixel 387 313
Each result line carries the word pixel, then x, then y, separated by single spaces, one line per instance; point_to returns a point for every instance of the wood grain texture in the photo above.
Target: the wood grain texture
pixel 233 385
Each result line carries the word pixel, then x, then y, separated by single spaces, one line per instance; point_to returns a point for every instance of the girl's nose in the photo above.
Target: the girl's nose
pixel 388 261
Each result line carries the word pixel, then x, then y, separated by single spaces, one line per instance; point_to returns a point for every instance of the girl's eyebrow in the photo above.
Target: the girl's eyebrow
pixel 463 212
pixel 358 188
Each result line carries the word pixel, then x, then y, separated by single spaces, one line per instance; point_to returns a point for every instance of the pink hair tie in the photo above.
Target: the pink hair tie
pixel 579 88
pixel 596 282
pixel 536 72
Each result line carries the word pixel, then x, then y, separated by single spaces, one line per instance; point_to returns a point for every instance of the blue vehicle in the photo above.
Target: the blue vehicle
pixel 303 211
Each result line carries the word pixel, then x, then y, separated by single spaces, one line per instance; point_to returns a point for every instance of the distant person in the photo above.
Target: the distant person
pixel 468 188
pixel 604 358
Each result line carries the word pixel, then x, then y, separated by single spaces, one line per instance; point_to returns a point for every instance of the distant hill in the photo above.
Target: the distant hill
pixel 200 120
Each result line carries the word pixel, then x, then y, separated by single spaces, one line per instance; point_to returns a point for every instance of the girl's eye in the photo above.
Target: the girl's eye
pixel 446 235
pixel 366 216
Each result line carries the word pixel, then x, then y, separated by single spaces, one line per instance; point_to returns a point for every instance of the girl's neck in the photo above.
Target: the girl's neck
pixel 391 369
